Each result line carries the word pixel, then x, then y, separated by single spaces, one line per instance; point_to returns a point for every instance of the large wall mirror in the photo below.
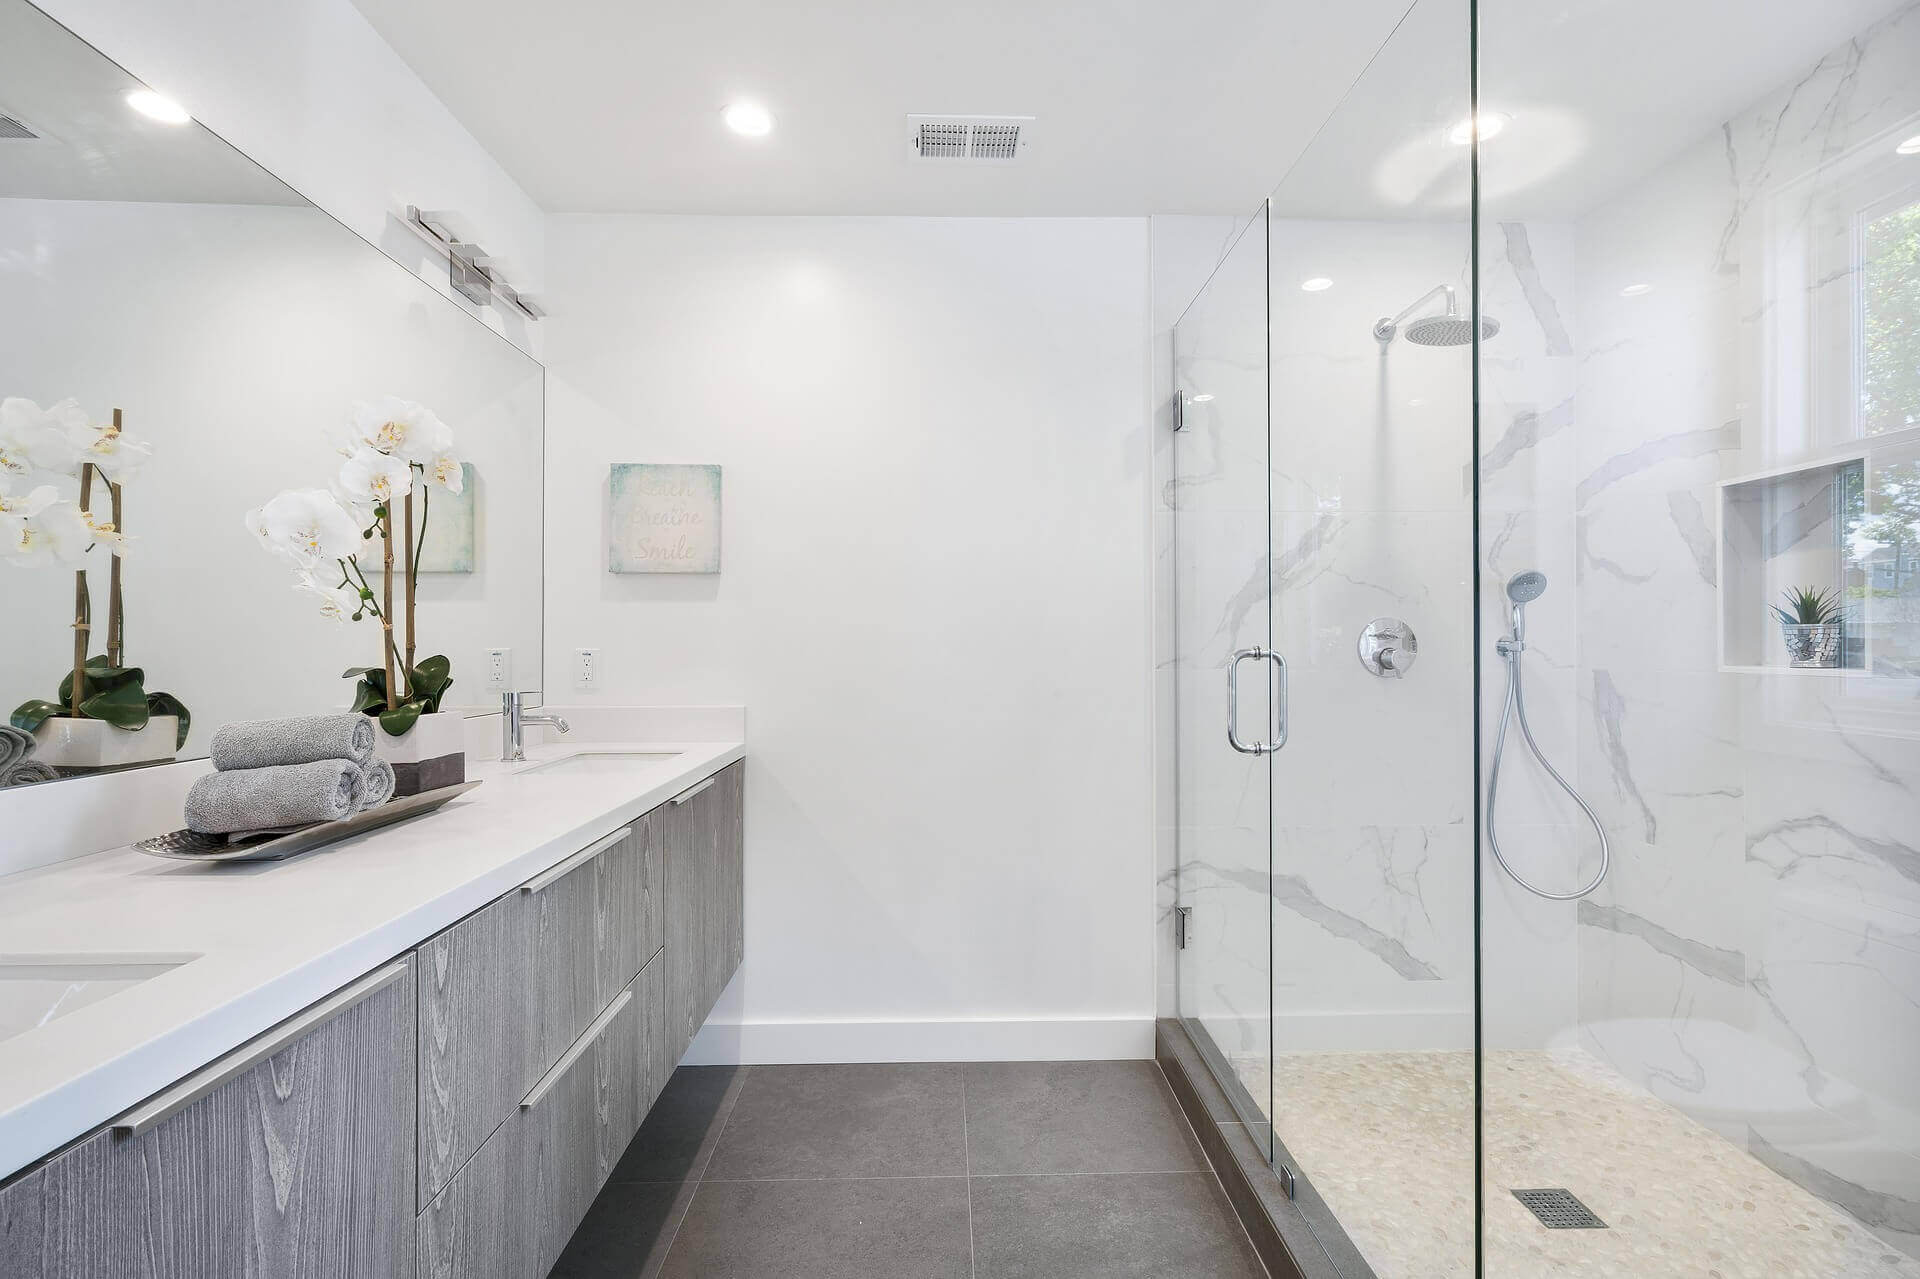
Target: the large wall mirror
pixel 241 338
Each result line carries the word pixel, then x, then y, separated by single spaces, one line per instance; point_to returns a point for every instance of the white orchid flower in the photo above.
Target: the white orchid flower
pixel 444 471
pixel 117 454
pixel 105 535
pixel 54 528
pixel 35 438
pixel 337 603
pixel 307 526
pixel 400 428
pixel 18 542
pixel 376 479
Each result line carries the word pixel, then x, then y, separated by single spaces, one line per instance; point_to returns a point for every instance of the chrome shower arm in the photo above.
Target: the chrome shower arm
pixel 1385 329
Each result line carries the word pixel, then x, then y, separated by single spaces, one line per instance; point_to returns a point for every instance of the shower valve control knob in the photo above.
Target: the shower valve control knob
pixel 1387 647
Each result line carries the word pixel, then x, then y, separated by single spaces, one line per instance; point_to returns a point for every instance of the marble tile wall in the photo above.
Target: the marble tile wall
pixel 1754 956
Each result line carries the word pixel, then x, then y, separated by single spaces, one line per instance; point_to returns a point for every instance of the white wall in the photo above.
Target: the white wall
pixel 310 91
pixel 933 602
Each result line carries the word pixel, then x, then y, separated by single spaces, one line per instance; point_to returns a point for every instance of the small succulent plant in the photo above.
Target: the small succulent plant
pixel 1809 607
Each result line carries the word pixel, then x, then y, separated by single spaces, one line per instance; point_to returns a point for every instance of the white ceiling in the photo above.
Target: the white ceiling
pixel 1599 93
pixel 1143 106
pixel 92 145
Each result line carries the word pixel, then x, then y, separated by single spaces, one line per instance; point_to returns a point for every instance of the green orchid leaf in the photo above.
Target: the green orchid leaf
pixel 432 675
pixel 168 704
pixel 123 706
pixel 361 672
pixel 368 698
pixel 31 714
pixel 101 676
pixel 401 718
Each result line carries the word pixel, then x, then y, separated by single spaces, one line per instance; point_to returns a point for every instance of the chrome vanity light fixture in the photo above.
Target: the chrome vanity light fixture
pixel 474 275
pixel 1447 329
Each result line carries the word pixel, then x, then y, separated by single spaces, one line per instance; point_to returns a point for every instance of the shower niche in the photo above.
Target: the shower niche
pixel 1801 529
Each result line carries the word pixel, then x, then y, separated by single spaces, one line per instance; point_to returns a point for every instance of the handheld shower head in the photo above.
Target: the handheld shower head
pixel 1525 588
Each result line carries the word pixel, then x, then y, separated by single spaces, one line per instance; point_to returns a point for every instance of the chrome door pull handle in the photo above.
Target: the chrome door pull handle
pixel 1279 705
pixel 172 1101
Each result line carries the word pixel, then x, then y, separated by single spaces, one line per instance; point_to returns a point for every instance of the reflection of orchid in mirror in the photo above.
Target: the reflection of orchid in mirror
pixel 49 460
pixel 396 451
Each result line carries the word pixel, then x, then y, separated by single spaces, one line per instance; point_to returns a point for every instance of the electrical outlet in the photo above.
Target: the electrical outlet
pixel 499 669
pixel 586 668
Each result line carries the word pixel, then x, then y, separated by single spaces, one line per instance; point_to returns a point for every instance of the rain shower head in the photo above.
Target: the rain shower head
pixel 1447 329
pixel 1525 588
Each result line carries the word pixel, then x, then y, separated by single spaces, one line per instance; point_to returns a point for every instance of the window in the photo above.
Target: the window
pixel 1888 284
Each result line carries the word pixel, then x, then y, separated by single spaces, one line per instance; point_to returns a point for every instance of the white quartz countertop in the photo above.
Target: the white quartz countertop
pixel 270 938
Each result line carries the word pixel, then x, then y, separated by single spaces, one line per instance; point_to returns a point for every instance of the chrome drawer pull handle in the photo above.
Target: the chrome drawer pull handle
pixel 244 1058
pixel 554 874
pixel 576 1051
pixel 693 790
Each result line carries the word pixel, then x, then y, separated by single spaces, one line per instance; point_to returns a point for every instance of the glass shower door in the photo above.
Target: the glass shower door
pixel 1225 688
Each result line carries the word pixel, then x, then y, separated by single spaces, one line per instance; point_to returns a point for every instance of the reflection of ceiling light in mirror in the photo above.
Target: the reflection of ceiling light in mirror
pixel 1317 284
pixel 1491 123
pixel 1423 172
pixel 155 107
pixel 1635 290
pixel 748 119
pixel 1910 147
pixel 1201 399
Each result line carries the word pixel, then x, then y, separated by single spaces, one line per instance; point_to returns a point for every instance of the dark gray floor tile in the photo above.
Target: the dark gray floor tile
pixel 910 1228
pixel 1075 1116
pixel 1107 1227
pixel 626 1232
pixel 680 1131
pixel 844 1121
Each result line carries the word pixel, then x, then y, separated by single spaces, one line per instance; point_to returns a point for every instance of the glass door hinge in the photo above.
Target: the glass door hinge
pixel 1182 926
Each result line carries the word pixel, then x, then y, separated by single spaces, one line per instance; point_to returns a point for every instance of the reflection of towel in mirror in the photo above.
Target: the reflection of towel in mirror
pixel 376 783
pixel 17 766
pixel 304 739
pixel 262 799
pixel 15 745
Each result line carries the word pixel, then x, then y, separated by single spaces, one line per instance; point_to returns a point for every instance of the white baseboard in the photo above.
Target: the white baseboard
pixel 779 1043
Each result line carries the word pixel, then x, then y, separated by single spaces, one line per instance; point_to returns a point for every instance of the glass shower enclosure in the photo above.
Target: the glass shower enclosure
pixel 1580 348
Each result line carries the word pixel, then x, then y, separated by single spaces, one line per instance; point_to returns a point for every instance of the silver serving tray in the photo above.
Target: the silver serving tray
pixel 187 846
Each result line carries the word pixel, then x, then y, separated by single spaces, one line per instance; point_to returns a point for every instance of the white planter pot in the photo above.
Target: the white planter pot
pixel 431 754
pixel 94 743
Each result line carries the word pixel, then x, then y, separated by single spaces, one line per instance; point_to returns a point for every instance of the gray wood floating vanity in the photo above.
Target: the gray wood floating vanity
pixel 452 1113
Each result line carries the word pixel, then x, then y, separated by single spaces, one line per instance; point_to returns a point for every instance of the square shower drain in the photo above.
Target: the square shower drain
pixel 1559 1210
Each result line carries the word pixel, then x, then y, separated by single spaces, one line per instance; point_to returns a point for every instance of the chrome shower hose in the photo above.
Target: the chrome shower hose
pixel 1511 649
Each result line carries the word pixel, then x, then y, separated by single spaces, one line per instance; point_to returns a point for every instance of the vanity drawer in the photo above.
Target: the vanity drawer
pixel 507 990
pixel 512 1208
pixel 287 1157
pixel 588 932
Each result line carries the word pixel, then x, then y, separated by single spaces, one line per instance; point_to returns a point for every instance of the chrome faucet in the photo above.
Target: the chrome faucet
pixel 513 722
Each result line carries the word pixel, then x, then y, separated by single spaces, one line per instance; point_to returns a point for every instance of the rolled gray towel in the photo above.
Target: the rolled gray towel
pixel 26 772
pixel 377 783
pixel 304 739
pixel 261 799
pixel 15 745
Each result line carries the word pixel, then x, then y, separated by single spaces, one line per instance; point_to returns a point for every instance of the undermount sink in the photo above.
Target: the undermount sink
pixel 37 989
pixel 601 762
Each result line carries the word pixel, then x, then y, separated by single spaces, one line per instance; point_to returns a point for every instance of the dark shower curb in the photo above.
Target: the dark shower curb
pixel 1277 1225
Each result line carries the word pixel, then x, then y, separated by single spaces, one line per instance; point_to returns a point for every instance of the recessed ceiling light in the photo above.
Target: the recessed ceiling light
pixel 155 107
pixel 1910 147
pixel 1201 399
pixel 1490 125
pixel 748 119
pixel 1317 284
pixel 1635 290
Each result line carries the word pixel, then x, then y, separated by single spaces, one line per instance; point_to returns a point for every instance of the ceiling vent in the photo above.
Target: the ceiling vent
pixel 14 130
pixel 1002 138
